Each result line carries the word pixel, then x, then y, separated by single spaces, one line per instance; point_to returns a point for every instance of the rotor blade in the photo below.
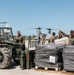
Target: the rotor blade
pixel 32 28
pixel 3 22
pixel 35 28
pixel 52 29
pixel 48 28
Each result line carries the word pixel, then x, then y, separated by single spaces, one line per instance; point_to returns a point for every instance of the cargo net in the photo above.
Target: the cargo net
pixel 49 55
pixel 68 58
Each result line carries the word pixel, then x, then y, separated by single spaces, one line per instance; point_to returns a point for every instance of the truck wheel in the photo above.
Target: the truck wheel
pixel 5 58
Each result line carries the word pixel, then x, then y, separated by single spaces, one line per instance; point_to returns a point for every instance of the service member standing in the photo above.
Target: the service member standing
pixel 43 39
pixel 52 38
pixel 20 40
pixel 71 36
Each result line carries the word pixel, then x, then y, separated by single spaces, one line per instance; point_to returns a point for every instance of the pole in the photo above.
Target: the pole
pixel 27 56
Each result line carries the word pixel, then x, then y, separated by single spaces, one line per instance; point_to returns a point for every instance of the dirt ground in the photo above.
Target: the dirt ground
pixel 15 70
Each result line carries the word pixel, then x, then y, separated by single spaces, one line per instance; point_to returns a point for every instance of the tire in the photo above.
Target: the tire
pixel 5 58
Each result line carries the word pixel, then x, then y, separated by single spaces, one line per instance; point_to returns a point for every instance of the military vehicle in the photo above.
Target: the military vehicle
pixel 8 48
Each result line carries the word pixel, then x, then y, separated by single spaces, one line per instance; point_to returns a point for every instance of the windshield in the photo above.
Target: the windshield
pixel 6 34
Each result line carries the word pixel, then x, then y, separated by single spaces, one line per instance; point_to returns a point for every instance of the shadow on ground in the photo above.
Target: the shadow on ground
pixel 12 66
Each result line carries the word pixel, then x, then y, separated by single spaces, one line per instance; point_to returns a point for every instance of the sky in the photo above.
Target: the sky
pixel 24 14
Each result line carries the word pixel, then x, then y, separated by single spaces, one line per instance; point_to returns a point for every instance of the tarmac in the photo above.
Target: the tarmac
pixel 15 70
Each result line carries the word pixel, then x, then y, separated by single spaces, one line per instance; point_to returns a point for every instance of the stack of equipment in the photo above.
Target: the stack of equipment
pixel 68 58
pixel 49 55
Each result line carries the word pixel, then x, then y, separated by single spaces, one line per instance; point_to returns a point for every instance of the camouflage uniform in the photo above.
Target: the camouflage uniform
pixel 19 39
pixel 71 37
pixel 23 60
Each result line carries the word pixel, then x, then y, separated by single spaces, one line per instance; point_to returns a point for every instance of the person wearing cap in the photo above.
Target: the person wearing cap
pixel 70 36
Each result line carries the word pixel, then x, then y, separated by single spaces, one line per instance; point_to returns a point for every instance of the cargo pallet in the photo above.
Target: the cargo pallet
pixel 46 68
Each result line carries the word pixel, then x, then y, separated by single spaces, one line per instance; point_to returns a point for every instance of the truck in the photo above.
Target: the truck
pixel 9 49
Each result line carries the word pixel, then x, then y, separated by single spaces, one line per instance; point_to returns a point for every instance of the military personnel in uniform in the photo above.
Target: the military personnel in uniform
pixel 71 36
pixel 19 39
pixel 43 39
pixel 52 38
pixel 60 35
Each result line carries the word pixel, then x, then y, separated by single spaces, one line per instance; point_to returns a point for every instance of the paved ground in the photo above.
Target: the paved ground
pixel 15 70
